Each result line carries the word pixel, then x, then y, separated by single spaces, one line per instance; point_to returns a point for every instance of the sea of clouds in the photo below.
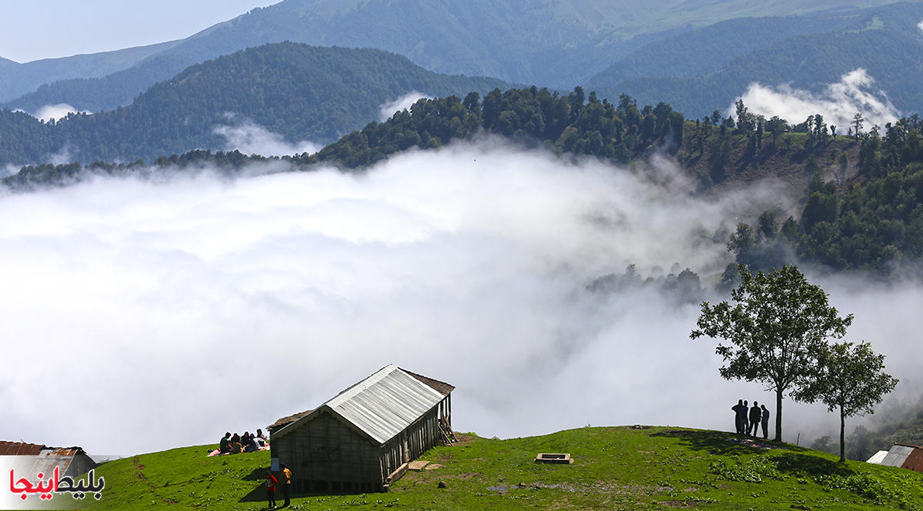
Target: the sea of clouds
pixel 144 314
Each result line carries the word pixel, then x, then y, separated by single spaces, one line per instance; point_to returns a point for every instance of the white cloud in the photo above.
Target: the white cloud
pixel 61 157
pixel 251 138
pixel 173 311
pixel 920 25
pixel 8 170
pixel 402 103
pixel 56 112
pixel 838 103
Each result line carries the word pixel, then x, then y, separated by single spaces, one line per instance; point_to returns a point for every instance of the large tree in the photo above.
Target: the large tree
pixel 850 379
pixel 776 331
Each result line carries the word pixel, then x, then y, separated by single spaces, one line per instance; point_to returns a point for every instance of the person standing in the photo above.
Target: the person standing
pixel 755 415
pixel 286 485
pixel 271 483
pixel 765 422
pixel 740 409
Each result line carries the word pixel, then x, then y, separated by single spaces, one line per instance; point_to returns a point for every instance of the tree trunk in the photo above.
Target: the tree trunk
pixel 842 436
pixel 778 416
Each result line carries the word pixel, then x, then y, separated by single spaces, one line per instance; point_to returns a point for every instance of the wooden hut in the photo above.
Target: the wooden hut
pixel 901 455
pixel 364 438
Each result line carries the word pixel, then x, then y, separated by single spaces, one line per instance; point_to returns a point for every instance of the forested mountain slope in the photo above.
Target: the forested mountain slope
pixel 709 49
pixel 886 42
pixel 106 92
pixel 297 91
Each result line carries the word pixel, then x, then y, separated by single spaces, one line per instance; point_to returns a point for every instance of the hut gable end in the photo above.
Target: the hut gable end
pixel 364 438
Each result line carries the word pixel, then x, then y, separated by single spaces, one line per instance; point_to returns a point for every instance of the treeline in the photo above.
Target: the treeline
pixel 32 177
pixel 870 222
pixel 681 287
pixel 574 124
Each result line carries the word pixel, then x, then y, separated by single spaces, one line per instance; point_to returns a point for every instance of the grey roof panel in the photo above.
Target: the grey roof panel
pixel 382 405
pixel 877 457
pixel 897 456
pixel 385 403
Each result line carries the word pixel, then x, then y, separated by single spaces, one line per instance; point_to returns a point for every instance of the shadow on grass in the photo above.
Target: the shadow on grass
pixel 722 443
pixel 810 465
pixel 258 474
pixel 258 494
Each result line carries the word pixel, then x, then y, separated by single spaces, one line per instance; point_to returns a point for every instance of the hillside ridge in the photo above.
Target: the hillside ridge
pixel 614 467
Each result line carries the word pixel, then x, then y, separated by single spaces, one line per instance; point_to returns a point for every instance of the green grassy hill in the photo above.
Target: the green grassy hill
pixel 614 468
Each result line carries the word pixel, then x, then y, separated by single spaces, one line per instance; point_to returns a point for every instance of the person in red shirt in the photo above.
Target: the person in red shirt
pixel 271 483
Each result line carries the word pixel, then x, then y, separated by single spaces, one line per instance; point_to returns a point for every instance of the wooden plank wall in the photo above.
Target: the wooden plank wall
pixel 411 443
pixel 325 454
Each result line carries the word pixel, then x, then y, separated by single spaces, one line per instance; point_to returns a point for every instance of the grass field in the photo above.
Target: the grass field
pixel 614 468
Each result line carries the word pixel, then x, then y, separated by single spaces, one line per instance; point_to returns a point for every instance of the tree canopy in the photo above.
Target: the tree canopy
pixel 851 380
pixel 775 331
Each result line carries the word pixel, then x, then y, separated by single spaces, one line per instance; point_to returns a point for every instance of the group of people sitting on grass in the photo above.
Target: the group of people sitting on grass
pixel 748 422
pixel 237 444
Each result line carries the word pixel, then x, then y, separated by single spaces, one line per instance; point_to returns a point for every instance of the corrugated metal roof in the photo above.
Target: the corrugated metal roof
pixel 19 449
pixel 51 457
pixel 45 459
pixel 897 455
pixel 382 405
pixel 877 457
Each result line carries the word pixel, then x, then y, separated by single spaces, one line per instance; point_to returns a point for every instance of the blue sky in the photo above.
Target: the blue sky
pixel 37 29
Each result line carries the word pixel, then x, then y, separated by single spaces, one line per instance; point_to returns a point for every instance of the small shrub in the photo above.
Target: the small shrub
pixel 752 471
pixel 864 485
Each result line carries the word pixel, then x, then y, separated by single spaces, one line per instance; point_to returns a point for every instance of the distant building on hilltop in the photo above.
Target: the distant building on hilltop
pixel 71 461
pixel 901 455
pixel 364 438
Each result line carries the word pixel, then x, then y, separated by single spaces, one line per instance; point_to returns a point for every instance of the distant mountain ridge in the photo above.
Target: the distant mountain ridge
pixel 556 43
pixel 710 67
pixel 297 91
pixel 18 79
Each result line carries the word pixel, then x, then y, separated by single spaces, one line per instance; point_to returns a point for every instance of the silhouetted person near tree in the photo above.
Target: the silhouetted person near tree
pixel 740 410
pixel 744 422
pixel 755 415
pixel 765 422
